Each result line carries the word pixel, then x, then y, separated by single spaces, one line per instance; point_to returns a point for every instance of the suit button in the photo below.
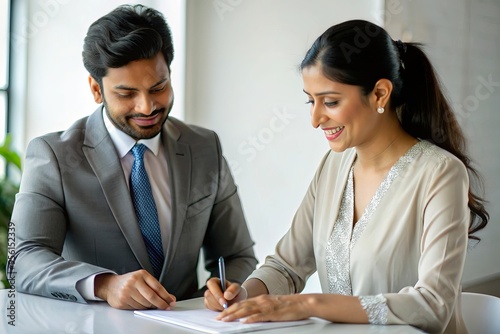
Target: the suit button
pixel 64 296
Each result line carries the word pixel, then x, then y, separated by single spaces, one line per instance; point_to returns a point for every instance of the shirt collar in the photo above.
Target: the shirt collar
pixel 124 143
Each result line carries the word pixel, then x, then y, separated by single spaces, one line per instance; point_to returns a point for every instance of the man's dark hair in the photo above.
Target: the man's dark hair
pixel 128 33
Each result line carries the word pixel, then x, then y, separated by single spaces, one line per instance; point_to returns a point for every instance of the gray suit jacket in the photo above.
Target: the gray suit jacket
pixel 74 217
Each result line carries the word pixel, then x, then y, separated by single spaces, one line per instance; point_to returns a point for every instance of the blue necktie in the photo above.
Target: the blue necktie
pixel 145 208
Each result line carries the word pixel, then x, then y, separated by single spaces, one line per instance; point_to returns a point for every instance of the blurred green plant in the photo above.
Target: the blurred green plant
pixel 8 191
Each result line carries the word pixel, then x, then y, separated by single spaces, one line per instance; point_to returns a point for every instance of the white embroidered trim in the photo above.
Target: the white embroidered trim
pixel 376 308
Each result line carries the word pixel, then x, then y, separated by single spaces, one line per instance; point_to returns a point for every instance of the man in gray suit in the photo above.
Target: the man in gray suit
pixel 79 231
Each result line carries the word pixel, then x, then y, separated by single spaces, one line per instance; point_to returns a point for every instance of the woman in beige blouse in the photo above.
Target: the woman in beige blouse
pixel 386 219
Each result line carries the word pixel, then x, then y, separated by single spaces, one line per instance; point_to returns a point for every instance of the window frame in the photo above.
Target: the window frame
pixel 6 89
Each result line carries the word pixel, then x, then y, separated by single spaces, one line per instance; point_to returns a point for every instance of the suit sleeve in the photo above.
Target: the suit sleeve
pixel 41 223
pixel 228 234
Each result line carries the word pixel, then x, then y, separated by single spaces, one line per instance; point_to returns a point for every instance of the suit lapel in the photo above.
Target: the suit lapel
pixel 102 157
pixel 179 163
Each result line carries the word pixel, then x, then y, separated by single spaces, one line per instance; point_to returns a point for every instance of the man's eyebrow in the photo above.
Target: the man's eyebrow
pixel 162 81
pixel 125 87
pixel 322 93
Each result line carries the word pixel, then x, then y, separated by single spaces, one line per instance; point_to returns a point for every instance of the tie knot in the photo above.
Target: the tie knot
pixel 138 151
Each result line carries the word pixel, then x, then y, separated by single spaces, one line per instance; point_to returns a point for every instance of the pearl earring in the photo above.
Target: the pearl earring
pixel 380 109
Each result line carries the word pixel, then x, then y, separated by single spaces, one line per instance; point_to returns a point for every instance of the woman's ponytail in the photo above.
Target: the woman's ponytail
pixel 425 113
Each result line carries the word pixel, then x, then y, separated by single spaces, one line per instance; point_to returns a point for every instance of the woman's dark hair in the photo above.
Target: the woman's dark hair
pixel 360 53
pixel 126 34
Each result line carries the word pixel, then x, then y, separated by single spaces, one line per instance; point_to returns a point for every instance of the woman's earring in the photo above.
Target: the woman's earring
pixel 380 109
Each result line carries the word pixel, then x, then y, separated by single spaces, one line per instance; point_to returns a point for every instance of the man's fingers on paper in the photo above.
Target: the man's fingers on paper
pixel 152 300
pixel 158 295
pixel 140 290
pixel 129 301
pixel 154 297
pixel 138 303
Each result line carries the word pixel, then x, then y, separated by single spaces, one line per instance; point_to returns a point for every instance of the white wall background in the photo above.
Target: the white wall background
pixel 237 74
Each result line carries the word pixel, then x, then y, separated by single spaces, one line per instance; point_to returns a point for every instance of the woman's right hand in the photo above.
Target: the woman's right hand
pixel 215 299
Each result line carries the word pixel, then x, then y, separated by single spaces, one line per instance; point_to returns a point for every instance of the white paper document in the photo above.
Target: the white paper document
pixel 203 320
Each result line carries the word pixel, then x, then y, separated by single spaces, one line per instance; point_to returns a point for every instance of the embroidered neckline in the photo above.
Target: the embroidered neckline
pixel 344 237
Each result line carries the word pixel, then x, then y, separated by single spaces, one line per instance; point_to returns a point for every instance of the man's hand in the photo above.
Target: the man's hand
pixel 137 290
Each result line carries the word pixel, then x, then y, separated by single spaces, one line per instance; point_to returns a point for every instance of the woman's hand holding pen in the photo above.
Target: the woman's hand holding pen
pixel 255 304
pixel 264 307
pixel 215 298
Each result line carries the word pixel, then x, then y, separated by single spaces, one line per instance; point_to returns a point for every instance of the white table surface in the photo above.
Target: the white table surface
pixel 34 314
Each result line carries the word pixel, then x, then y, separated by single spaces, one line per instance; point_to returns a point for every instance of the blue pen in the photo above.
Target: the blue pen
pixel 222 276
